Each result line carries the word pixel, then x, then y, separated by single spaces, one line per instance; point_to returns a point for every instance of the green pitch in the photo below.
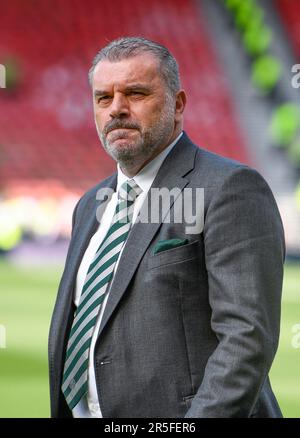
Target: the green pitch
pixel 26 302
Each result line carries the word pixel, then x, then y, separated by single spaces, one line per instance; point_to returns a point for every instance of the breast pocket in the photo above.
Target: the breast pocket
pixel 175 255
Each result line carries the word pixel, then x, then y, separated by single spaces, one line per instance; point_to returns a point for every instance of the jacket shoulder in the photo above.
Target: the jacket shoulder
pixel 91 193
pixel 218 175
pixel 217 167
pixel 88 199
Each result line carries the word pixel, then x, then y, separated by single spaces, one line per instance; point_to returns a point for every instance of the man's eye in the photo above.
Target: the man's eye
pixel 103 99
pixel 137 94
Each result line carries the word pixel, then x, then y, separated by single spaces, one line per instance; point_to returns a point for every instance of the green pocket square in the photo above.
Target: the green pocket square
pixel 163 245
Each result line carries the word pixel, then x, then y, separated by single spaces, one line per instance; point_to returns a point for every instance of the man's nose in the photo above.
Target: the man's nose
pixel 119 106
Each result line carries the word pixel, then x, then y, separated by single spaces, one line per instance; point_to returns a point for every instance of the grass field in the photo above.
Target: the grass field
pixel 26 302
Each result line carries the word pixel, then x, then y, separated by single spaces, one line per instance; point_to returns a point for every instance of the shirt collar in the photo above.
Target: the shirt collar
pixel 145 177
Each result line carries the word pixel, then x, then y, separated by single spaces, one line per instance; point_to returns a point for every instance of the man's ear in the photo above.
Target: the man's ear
pixel 180 102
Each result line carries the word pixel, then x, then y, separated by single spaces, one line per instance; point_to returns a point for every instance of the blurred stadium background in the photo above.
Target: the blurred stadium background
pixel 238 62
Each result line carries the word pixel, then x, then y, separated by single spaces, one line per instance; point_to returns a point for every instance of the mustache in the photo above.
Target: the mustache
pixel 119 124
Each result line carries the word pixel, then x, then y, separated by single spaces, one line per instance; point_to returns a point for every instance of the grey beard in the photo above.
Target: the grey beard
pixel 133 154
pixel 150 140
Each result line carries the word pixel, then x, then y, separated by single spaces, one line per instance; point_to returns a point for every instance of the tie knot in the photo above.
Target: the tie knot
pixel 129 191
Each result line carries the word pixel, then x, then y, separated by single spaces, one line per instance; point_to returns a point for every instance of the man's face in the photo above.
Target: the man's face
pixel 134 114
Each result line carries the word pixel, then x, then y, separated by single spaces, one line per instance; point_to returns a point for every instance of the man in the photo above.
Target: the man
pixel 155 318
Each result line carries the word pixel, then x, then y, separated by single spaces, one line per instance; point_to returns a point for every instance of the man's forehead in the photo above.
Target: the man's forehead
pixel 138 68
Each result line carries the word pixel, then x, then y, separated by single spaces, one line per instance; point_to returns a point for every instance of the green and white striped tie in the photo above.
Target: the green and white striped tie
pixel 99 275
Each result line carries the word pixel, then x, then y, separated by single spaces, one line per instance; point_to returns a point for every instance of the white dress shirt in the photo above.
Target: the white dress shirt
pixel 88 406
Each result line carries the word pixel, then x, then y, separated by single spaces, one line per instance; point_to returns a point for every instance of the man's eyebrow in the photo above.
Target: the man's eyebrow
pixel 131 87
pixel 99 93
pixel 137 86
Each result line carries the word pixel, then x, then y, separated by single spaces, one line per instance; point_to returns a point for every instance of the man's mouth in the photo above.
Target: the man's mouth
pixel 119 134
pixel 120 129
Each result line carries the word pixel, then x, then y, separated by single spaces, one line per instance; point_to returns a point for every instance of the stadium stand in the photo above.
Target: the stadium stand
pixel 46 125
pixel 290 12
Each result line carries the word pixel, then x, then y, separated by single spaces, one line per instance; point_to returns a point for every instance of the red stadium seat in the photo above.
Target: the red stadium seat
pixel 290 13
pixel 46 124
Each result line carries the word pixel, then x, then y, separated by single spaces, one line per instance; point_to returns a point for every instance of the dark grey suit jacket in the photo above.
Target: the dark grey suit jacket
pixel 191 331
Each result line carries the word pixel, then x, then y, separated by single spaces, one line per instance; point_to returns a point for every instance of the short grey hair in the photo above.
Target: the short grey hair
pixel 127 47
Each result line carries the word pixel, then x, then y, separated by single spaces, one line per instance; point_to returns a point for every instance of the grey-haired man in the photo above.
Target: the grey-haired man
pixel 152 320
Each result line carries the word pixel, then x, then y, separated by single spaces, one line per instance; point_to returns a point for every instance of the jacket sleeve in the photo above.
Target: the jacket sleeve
pixel 244 254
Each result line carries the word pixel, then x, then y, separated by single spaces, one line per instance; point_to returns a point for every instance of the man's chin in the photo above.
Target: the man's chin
pixel 122 150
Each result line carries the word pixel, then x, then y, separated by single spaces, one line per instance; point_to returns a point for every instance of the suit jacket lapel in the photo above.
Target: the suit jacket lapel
pixel 172 173
pixel 78 245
